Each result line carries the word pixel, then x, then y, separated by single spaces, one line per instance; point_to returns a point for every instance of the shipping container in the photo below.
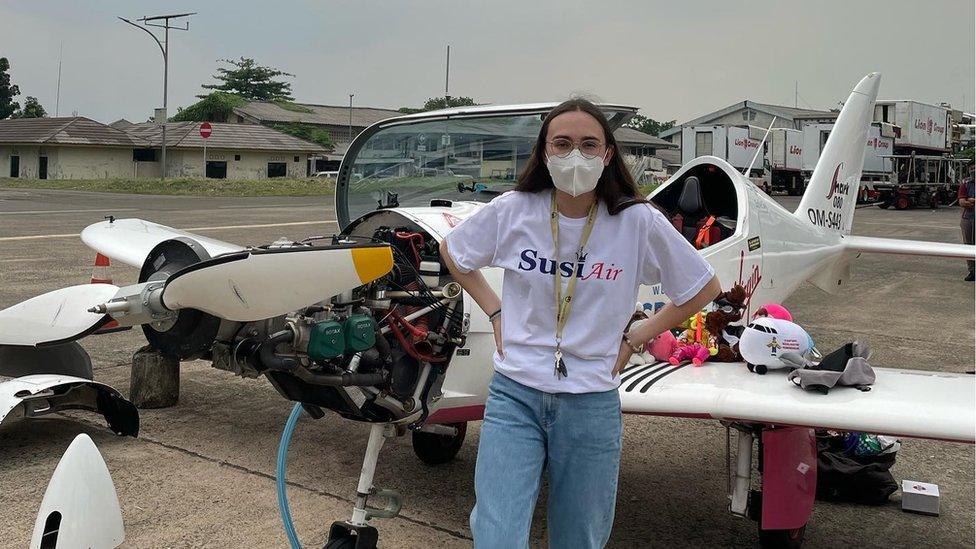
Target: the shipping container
pixel 785 149
pixel 875 149
pixel 922 126
pixel 730 143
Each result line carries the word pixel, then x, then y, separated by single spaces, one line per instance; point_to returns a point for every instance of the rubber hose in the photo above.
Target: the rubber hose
pixel 280 473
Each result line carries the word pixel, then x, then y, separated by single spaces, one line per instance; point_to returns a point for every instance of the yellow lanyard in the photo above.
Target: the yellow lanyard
pixel 565 303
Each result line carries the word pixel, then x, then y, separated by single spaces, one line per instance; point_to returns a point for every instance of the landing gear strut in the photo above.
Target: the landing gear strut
pixel 357 533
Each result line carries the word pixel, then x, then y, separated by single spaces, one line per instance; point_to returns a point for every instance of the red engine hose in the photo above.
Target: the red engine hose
pixel 412 238
pixel 422 322
pixel 415 331
pixel 407 346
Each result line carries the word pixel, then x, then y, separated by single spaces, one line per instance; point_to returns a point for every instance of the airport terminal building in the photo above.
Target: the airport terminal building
pixel 81 148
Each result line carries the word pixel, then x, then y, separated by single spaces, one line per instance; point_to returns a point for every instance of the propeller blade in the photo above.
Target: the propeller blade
pixel 55 317
pixel 259 284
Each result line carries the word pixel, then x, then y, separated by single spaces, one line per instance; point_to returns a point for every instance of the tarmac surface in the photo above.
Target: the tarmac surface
pixel 201 474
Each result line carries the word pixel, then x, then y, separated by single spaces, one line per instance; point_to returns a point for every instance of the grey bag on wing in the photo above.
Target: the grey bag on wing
pixel 847 366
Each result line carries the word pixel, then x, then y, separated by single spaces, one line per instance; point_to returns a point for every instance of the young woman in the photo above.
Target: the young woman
pixel 575 241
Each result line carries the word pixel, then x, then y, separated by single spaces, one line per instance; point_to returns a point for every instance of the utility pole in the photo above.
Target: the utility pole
pixel 796 92
pixel 164 48
pixel 351 95
pixel 57 100
pixel 447 77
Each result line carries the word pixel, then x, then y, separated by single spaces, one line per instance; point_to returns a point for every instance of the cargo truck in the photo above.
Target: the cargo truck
pixel 878 148
pixel 784 157
pixel 921 125
pixel 735 144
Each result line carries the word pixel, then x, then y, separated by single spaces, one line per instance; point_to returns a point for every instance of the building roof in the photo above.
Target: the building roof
pixel 224 136
pixel 779 111
pixel 72 130
pixel 121 124
pixel 670 157
pixel 630 136
pixel 325 115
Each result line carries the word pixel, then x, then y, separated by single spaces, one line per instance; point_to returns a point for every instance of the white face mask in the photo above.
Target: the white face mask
pixel 575 174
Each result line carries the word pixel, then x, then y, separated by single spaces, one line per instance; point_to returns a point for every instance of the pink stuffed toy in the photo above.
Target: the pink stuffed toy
pixel 697 352
pixel 774 310
pixel 662 346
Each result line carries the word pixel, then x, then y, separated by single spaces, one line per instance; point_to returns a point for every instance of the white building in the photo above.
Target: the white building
pixel 81 148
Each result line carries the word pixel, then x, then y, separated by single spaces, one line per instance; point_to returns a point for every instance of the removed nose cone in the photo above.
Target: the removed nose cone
pixel 80 508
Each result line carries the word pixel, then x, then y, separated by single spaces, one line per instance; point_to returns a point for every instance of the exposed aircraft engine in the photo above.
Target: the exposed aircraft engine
pixel 377 353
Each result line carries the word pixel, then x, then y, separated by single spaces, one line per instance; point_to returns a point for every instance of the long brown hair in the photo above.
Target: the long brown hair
pixel 616 187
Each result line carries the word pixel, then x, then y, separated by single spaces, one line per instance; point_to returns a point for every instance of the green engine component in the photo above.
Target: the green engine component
pixel 360 333
pixel 326 341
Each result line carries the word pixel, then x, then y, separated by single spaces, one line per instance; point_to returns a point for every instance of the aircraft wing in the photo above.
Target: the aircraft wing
pixel 131 240
pixel 910 403
pixel 907 247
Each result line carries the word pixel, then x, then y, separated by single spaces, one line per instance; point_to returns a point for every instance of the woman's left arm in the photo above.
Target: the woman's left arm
pixel 668 317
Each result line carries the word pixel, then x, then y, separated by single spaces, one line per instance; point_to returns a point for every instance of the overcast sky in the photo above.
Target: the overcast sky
pixel 673 59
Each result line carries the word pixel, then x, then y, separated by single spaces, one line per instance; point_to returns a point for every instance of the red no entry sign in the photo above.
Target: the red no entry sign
pixel 205 130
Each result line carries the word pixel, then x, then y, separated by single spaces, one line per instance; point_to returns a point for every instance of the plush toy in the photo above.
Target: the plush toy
pixel 658 349
pixel 695 343
pixel 662 346
pixel 773 310
pixel 765 339
pixel 730 306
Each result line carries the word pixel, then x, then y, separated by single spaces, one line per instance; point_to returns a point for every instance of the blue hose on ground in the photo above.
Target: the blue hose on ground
pixel 283 509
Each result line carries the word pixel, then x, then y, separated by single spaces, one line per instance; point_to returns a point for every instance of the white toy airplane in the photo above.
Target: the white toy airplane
pixel 371 327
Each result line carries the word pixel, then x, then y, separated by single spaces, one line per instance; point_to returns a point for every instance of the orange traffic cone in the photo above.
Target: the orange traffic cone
pixel 102 274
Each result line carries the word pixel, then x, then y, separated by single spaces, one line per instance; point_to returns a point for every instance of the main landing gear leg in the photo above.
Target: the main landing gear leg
pixel 788 469
pixel 357 533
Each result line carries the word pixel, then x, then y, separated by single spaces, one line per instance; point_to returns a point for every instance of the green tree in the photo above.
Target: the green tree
pixel 213 107
pixel 648 125
pixel 251 81
pixel 437 103
pixel 7 91
pixel 32 109
pixel 307 132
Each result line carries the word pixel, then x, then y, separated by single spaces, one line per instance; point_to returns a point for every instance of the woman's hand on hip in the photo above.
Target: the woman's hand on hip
pixel 496 327
pixel 622 358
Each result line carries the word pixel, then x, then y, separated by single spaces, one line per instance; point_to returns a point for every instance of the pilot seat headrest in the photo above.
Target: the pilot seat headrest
pixel 690 201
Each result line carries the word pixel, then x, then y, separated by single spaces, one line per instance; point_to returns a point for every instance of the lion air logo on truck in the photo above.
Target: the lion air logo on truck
pixel 746 143
pixel 795 150
pixel 876 143
pixel 929 126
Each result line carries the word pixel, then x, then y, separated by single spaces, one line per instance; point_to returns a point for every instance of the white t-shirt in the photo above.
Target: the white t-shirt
pixel 636 246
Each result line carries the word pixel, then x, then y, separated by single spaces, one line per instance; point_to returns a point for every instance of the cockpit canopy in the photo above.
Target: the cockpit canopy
pixel 472 153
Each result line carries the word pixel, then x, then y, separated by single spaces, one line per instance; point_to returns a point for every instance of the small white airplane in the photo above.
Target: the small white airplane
pixel 369 325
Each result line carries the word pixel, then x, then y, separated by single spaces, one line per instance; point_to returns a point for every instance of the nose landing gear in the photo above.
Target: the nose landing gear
pixel 356 533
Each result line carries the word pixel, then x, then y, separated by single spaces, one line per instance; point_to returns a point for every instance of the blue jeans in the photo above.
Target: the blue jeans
pixel 575 438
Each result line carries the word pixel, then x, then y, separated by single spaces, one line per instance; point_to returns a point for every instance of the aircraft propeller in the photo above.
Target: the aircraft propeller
pixel 240 286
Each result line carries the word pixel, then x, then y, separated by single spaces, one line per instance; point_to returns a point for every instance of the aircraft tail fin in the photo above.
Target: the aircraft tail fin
pixel 832 192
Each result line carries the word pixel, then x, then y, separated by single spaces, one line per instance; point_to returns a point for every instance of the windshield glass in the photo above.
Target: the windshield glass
pixel 473 157
pixel 454 159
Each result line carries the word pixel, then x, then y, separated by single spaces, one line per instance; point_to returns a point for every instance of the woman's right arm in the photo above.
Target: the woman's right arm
pixel 478 288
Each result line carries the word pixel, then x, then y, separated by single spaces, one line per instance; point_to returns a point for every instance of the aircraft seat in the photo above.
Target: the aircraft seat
pixel 692 218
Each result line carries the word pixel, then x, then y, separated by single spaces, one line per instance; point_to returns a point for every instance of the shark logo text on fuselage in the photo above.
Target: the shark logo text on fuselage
pixel 831 217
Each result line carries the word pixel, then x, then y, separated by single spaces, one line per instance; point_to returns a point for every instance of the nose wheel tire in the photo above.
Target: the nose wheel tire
pixel 782 539
pixel 435 449
pixel 347 542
